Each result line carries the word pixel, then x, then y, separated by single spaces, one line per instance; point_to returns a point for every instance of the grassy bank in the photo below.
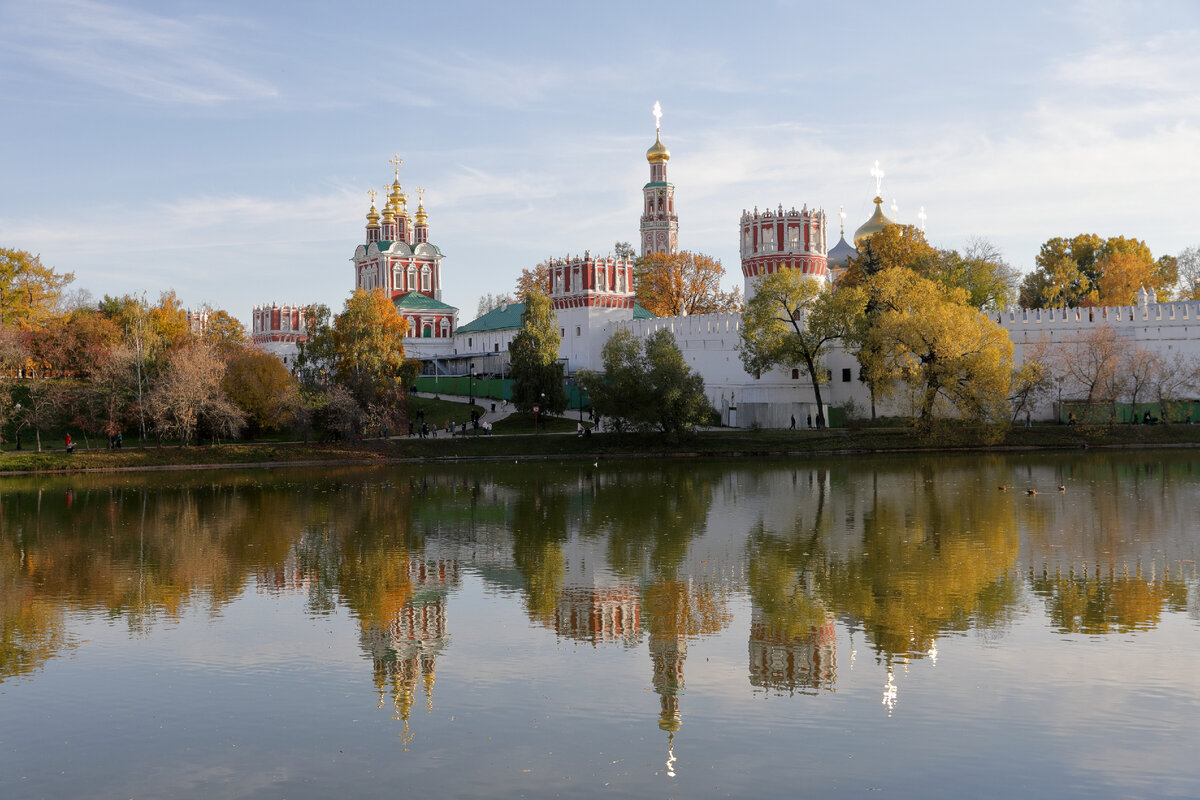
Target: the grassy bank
pixel 732 443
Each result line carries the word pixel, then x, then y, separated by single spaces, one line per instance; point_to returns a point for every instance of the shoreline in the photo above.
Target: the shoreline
pixel 718 444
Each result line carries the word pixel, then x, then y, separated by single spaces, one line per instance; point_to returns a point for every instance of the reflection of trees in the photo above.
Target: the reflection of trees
pixel 935 559
pixel 650 514
pixel 792 642
pixel 1079 603
pixel 538 520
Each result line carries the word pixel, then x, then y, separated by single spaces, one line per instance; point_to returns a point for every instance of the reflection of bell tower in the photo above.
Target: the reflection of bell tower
pixel 675 610
pixel 404 650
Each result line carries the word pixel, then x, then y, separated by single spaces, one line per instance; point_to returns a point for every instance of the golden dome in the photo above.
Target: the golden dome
pixel 373 217
pixel 422 217
pixel 658 152
pixel 872 226
pixel 387 215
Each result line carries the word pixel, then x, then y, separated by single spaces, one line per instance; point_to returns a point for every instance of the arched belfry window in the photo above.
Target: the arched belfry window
pixel 412 279
pixel 424 279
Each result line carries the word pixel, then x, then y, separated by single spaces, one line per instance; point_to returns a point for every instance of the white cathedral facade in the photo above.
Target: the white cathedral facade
pixel 593 296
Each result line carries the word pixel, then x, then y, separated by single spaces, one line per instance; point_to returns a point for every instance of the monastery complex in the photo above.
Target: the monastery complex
pixel 593 296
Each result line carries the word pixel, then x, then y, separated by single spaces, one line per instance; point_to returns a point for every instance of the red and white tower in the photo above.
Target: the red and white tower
pixel 660 224
pixel 775 240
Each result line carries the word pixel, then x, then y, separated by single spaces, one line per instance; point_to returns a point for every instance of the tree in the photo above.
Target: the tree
pixel 894 246
pixel 942 347
pixel 368 346
pixel 259 384
pixel 1086 270
pixel 187 396
pixel 315 354
pixel 793 319
pixel 29 290
pixel 624 251
pixel 1188 270
pixel 490 302
pixel 675 284
pixel 1030 382
pixel 537 375
pixel 1091 366
pixel 1174 382
pixel 980 271
pixel 533 280
pixel 222 329
pixel 647 387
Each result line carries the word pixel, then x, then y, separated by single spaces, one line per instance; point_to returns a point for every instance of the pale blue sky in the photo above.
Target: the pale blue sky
pixel 225 149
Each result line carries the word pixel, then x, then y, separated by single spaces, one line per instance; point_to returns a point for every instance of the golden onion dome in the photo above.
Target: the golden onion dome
pixel 422 217
pixel 388 217
pixel 659 151
pixel 373 217
pixel 872 226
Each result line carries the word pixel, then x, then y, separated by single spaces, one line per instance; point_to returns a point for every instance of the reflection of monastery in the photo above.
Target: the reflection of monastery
pixel 593 297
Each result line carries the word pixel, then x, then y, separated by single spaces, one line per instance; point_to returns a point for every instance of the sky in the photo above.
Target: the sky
pixel 224 150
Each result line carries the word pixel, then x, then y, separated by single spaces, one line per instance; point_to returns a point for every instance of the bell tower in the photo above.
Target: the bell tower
pixel 660 224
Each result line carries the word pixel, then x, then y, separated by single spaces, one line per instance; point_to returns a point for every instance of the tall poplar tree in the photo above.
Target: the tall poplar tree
pixel 537 375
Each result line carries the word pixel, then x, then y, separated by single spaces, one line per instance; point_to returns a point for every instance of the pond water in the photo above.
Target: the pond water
pixel 773 628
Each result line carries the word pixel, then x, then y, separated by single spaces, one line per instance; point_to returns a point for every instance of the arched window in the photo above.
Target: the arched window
pixel 412 280
pixel 427 331
pixel 601 279
pixel 445 328
pixel 424 279
pixel 397 278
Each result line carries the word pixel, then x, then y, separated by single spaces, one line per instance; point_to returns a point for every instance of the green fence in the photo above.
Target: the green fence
pixel 1173 411
pixel 490 388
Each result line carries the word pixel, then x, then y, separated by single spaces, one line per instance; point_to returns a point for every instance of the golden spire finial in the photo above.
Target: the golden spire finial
pixel 396 161
pixel 371 194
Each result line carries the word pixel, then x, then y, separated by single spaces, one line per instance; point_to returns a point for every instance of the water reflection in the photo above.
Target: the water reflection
pixel 901 552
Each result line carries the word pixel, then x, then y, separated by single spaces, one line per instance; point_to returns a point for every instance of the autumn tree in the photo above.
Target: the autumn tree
pixel 1174 382
pixel 1087 270
pixel 624 251
pixel 1091 365
pixel 938 344
pixel 533 280
pixel 260 385
pixel 794 320
pixel 222 329
pixel 367 346
pixel 29 290
pixel 536 372
pixel 979 270
pixel 675 284
pixel 187 396
pixel 894 246
pixel 647 387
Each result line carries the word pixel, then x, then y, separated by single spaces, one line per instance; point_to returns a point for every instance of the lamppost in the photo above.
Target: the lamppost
pixel 17 408
pixel 543 407
pixel 471 389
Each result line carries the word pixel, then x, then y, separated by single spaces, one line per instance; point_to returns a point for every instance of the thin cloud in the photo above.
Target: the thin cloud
pixel 137 53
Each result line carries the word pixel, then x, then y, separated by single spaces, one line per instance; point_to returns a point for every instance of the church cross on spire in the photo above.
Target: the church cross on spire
pixel 877 174
pixel 420 195
pixel 371 194
pixel 396 161
pixel 657 116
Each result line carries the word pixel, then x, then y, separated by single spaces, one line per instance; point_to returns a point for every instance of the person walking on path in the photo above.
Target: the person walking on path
pixel 793 426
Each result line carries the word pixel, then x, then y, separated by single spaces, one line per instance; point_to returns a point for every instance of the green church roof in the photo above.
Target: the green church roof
pixel 507 318
pixel 416 300
pixel 498 319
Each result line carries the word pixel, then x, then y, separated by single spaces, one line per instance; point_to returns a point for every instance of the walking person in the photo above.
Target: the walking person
pixel 793 425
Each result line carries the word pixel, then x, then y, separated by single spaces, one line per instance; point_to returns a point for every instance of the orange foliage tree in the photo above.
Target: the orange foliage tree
pixel 673 284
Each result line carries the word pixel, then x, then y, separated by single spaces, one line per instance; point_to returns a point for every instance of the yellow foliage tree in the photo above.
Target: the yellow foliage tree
pixel 29 290
pixel 674 284
pixel 938 344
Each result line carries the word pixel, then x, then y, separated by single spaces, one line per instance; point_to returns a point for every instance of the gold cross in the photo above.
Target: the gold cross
pixel 396 161
pixel 371 194
pixel 420 195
